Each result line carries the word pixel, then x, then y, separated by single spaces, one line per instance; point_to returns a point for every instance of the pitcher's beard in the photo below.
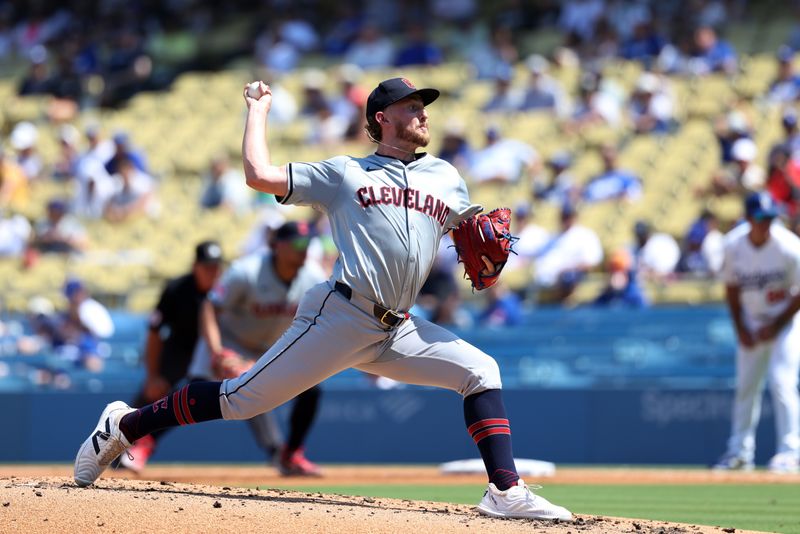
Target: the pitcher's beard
pixel 416 137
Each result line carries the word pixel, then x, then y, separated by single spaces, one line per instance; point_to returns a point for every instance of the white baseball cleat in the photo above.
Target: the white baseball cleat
pixel 103 446
pixel 784 463
pixel 520 502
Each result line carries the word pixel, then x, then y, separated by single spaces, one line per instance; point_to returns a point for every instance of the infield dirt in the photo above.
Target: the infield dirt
pixel 45 499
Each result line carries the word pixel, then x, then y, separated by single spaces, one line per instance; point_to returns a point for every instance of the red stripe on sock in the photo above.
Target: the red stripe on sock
pixel 504 479
pixel 490 432
pixel 486 422
pixel 176 408
pixel 185 404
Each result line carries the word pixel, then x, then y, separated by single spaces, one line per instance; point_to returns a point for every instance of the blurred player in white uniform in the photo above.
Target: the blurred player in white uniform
pixel 761 271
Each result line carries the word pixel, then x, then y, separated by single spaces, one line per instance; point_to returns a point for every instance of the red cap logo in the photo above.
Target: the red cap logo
pixel 408 83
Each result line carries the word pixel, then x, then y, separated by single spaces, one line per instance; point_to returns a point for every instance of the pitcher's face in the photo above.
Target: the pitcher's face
pixel 409 121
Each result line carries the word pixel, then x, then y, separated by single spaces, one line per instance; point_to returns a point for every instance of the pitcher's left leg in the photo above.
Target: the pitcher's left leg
pixel 423 353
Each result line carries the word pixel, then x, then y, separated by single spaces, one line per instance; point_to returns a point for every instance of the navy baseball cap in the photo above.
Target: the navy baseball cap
pixel 208 252
pixel 395 89
pixel 760 206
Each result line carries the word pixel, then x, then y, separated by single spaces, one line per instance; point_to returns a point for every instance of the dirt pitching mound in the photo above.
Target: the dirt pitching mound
pixel 56 504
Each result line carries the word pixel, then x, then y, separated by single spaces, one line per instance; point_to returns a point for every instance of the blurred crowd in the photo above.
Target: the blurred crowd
pixel 99 53
pixel 109 177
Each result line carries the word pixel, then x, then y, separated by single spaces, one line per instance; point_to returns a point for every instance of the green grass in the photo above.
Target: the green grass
pixel 765 507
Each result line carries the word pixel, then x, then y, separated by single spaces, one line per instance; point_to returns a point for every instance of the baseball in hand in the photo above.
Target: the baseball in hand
pixel 254 90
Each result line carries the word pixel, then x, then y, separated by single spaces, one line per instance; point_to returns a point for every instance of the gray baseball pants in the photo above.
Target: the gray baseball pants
pixel 331 333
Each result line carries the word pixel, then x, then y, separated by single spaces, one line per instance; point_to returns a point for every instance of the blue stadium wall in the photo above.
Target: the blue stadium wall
pixel 419 426
pixel 582 386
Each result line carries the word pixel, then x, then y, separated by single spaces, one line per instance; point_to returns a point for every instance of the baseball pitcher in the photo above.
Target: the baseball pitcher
pixel 387 212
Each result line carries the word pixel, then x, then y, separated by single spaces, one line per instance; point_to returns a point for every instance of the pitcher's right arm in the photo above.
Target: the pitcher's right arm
pixel 259 172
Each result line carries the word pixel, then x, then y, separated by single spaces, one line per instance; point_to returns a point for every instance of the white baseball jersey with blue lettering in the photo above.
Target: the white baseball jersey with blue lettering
pixel 767 277
pixel 387 218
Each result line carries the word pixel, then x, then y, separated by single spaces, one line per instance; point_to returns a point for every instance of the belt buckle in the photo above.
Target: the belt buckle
pixel 398 316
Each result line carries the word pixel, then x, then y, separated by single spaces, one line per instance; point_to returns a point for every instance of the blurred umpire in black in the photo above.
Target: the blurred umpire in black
pixel 172 336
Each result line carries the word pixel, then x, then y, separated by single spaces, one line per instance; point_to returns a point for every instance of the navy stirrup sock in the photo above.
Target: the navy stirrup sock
pixel 485 416
pixel 303 411
pixel 193 403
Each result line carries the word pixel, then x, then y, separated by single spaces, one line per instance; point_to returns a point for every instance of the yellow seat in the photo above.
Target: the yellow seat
pixel 144 299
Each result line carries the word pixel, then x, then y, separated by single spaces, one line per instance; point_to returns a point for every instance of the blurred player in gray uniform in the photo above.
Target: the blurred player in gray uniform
pixel 245 313
pixel 762 277
pixel 387 212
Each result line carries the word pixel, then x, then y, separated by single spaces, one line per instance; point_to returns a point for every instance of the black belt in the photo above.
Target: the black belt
pixel 385 316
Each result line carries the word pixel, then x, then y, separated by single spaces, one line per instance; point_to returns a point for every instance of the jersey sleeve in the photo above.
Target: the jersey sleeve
pixel 230 289
pixel 314 184
pixel 462 209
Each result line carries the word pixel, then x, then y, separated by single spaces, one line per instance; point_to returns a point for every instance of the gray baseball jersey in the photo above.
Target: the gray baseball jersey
pixel 387 218
pixel 254 307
